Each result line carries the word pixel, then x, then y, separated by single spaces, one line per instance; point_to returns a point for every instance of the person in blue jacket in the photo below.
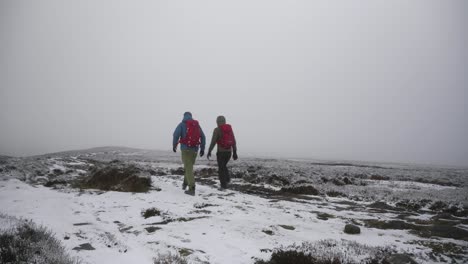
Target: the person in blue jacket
pixel 189 154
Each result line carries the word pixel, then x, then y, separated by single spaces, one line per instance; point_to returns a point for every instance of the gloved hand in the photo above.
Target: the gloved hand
pixel 208 156
pixel 234 156
pixel 174 148
pixel 202 152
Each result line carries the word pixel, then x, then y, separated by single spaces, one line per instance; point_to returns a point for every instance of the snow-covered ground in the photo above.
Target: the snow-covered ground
pixel 215 226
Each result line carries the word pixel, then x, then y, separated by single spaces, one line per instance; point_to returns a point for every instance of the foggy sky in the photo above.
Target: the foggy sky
pixel 354 80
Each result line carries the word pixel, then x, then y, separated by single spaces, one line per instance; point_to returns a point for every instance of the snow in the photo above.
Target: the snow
pixel 222 226
pixel 410 185
pixel 231 233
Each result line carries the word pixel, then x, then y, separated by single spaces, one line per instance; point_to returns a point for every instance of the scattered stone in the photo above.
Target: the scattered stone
pixel 125 229
pixel 152 229
pixel 81 224
pixel 288 227
pixel 85 246
pixel 268 232
pixel 352 229
pixel 324 216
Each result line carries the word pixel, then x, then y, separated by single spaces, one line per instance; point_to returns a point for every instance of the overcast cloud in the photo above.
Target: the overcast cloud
pixel 355 80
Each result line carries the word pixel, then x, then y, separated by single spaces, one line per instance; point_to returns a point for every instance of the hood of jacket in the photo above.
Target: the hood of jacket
pixel 187 116
pixel 220 120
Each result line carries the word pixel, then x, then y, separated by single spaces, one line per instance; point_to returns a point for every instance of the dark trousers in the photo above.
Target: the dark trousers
pixel 223 172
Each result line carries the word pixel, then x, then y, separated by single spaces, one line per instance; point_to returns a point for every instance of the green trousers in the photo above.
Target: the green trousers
pixel 188 158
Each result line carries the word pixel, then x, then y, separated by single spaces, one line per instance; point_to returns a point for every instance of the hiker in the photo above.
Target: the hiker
pixel 191 137
pixel 223 136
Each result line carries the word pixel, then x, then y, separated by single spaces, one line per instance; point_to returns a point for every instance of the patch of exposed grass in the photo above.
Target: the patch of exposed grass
pixel 434 228
pixel 304 189
pixel 25 242
pixel 449 249
pixel 335 194
pixel 169 258
pixel 185 252
pixel 116 177
pixel 327 252
pixel 150 212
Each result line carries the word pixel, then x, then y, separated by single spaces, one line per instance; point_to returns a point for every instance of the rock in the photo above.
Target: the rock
pixel 399 259
pixel 152 229
pixel 85 246
pixel 352 229
pixel 288 227
pixel 324 216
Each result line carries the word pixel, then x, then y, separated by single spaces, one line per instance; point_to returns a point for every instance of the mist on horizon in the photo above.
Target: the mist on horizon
pixel 375 81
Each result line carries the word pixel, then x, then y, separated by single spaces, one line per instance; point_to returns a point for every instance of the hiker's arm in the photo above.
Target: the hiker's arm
pixel 234 147
pixel 203 141
pixel 176 136
pixel 214 139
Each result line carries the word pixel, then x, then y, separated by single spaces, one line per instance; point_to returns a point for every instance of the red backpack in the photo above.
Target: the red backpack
pixel 227 138
pixel 192 135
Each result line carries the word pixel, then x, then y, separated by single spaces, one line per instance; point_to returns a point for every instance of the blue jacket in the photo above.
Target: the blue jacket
pixel 181 131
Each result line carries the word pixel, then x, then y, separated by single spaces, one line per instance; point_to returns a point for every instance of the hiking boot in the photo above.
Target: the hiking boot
pixel 190 191
pixel 184 186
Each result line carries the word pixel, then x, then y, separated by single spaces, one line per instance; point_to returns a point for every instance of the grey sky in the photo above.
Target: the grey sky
pixel 357 80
